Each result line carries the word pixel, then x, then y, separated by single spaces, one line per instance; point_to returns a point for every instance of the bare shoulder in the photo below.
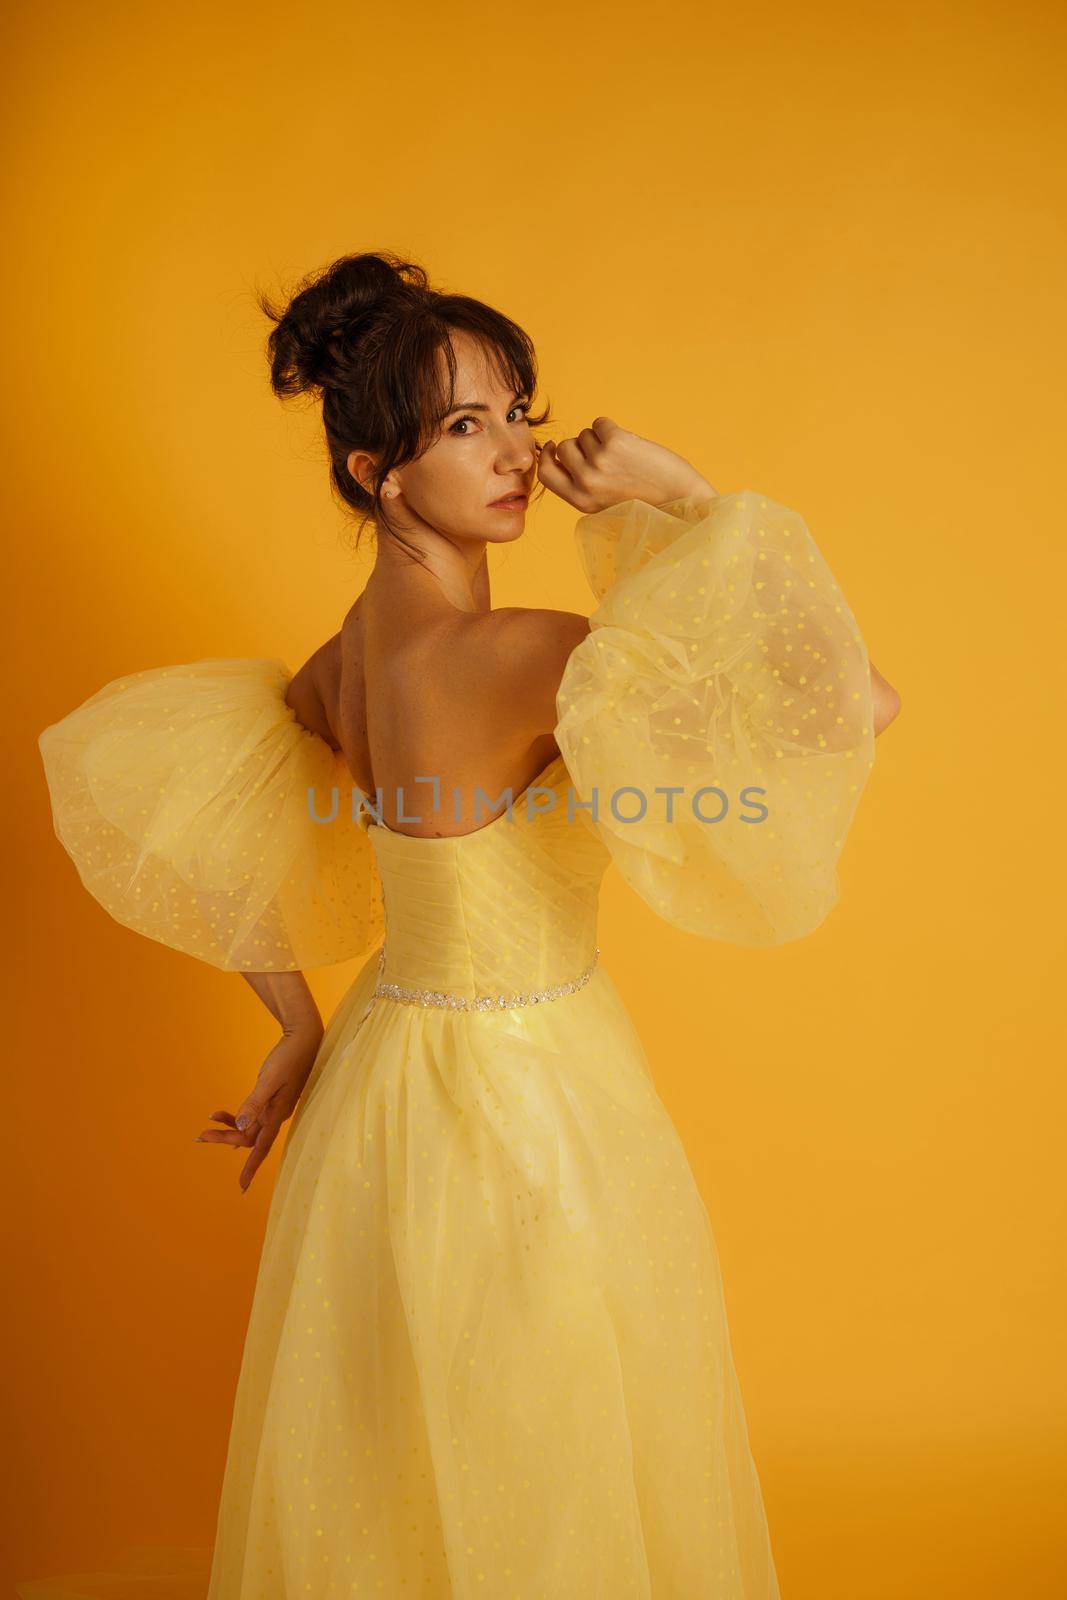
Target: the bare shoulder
pixel 308 694
pixel 526 649
pixel 322 671
pixel 536 634
pixel 316 690
pixel 353 621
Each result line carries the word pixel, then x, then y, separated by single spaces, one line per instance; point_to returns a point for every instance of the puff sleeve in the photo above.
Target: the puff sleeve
pixel 182 796
pixel 722 701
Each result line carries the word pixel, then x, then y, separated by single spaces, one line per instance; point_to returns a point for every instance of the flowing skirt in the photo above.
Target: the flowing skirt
pixel 488 1352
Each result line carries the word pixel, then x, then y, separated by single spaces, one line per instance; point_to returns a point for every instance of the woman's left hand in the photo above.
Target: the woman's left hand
pixel 273 1099
pixel 606 464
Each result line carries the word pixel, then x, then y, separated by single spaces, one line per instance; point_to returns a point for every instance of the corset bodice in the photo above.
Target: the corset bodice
pixel 508 908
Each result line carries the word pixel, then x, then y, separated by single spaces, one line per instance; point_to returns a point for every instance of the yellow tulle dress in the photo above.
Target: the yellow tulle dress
pixel 488 1354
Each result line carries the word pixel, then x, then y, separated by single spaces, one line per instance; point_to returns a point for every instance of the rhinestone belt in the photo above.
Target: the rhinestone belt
pixel 488 1002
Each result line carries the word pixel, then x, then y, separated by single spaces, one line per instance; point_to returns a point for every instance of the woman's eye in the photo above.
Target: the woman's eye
pixel 521 405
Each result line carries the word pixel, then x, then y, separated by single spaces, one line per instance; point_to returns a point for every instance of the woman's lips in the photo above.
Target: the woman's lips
pixel 511 502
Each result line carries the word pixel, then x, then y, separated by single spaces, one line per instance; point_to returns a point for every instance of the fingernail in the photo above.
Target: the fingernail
pixel 242 1123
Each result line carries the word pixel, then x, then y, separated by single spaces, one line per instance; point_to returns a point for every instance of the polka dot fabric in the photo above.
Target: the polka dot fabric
pixel 488 1351
pixel 721 713
pixel 181 794
pixel 488 1355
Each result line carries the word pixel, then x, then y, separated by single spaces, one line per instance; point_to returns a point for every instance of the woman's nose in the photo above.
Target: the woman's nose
pixel 517 455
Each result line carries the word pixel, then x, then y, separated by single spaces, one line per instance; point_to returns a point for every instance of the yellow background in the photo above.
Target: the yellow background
pixel 818 251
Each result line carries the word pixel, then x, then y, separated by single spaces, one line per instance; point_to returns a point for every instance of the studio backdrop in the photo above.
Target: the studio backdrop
pixel 820 254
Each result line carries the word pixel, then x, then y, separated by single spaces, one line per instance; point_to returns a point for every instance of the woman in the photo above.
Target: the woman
pixel 488 1350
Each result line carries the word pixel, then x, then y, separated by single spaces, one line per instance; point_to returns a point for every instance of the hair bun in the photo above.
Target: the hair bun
pixel 317 332
pixel 378 344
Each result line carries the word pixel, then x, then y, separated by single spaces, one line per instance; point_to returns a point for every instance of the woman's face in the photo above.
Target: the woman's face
pixel 485 450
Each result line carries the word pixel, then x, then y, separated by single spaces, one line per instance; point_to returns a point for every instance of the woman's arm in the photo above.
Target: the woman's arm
pixel 304 695
pixel 607 464
pixel 886 701
pixel 886 698
pixel 283 1074
pixel 288 998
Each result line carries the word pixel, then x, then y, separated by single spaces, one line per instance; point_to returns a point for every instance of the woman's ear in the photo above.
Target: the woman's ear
pixel 360 464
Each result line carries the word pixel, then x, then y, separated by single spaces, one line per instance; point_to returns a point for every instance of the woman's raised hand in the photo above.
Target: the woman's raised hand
pixel 607 464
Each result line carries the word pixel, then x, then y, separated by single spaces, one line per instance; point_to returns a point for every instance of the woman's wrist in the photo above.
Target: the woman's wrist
pixel 688 485
pixel 693 487
pixel 289 1000
pixel 698 487
pixel 303 1025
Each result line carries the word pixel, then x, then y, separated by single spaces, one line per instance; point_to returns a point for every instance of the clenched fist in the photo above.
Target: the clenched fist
pixel 607 464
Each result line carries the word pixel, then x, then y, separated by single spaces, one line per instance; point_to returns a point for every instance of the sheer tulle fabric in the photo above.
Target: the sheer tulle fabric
pixel 181 794
pixel 488 1351
pixel 462 1378
pixel 723 663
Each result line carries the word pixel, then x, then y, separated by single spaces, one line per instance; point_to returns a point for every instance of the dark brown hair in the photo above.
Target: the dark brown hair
pixel 363 335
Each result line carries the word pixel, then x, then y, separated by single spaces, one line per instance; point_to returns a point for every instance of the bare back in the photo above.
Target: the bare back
pixel 467 698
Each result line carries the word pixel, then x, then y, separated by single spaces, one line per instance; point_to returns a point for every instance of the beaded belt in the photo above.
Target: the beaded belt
pixel 488 1002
